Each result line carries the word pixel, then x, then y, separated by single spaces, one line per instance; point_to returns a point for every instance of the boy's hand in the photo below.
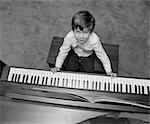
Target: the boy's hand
pixel 55 69
pixel 112 74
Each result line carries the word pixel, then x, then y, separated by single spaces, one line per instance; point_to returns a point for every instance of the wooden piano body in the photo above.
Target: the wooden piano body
pixel 30 93
pixel 76 89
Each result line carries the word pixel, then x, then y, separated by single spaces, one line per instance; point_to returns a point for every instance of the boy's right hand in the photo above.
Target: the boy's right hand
pixel 55 69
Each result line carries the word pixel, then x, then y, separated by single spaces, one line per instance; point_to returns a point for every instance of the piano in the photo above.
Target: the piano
pixel 75 89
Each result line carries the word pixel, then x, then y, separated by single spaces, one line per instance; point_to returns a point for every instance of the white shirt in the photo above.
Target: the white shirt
pixel 91 45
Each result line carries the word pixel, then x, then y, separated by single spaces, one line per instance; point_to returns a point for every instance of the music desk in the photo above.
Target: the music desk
pixel 21 112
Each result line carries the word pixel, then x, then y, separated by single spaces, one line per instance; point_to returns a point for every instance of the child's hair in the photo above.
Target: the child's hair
pixel 82 20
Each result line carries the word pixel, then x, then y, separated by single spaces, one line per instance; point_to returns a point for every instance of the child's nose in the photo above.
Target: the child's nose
pixel 81 35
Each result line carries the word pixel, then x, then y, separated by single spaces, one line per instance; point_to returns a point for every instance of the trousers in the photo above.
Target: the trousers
pixel 82 64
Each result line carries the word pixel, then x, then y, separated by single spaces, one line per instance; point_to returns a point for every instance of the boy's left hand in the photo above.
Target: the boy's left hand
pixel 112 74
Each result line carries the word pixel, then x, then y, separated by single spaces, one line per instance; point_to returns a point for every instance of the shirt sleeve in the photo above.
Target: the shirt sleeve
pixel 101 54
pixel 63 52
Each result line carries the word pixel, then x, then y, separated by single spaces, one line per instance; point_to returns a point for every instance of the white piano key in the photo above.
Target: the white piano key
pixel 77 81
pixel 64 80
pixel 145 83
pixel 132 83
pixel 34 76
pixel 40 78
pixel 21 78
pixel 81 81
pixel 127 88
pixel 65 83
pixel 59 78
pixel 85 82
pixel 91 83
pixel 68 79
pixel 74 80
pixel 102 84
pixel 109 83
pixel 25 78
pixel 13 75
pixel 106 83
pixel 140 85
pixel 46 77
pixel 124 82
pixel 30 73
pixel 120 85
pixel 10 74
pixel 52 80
pixel 137 88
pixel 112 84
pixel 114 81
pixel 98 83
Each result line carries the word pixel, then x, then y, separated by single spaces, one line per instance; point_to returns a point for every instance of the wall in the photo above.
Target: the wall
pixel 27 28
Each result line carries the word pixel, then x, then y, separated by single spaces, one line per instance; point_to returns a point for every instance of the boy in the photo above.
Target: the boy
pixel 80 44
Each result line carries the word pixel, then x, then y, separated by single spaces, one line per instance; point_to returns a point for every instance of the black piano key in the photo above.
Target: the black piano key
pixel 19 77
pixel 108 86
pixel 43 78
pixel 130 88
pixel 23 79
pixel 135 89
pixel 148 89
pixel 58 81
pixel 142 89
pixel 55 82
pixel 126 88
pixel 139 89
pixel 51 82
pixel 104 86
pixel 16 76
pixel 96 85
pixel 114 88
pixel 117 87
pixel 27 78
pixel 13 76
pixel 38 78
pixel 34 80
pixel 99 85
pixel 121 88
pixel 46 81
pixel 63 82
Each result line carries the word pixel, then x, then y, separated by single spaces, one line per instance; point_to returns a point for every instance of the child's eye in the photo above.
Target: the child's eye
pixel 77 31
pixel 86 32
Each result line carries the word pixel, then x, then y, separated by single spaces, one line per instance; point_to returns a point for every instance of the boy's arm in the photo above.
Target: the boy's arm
pixel 102 55
pixel 63 52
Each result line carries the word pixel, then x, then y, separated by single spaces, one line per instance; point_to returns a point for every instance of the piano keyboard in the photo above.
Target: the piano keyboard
pixel 79 81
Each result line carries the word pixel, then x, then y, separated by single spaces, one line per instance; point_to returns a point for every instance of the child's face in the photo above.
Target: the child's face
pixel 82 36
